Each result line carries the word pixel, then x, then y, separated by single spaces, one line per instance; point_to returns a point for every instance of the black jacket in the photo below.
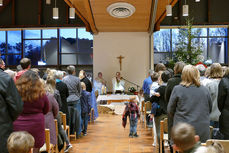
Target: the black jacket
pixel 160 100
pixel 11 106
pixel 171 84
pixel 87 83
pixel 223 105
pixel 63 90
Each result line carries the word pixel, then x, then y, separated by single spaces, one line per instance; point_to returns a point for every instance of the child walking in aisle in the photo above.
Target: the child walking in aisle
pixel 132 111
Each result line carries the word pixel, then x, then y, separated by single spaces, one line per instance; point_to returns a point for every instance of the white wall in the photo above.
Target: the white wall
pixel 134 46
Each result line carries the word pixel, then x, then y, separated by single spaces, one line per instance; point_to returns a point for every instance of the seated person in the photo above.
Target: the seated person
pixel 184 138
pixel 118 83
pixel 20 142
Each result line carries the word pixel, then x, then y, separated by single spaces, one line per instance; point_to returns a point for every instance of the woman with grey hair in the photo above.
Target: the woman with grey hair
pixel 216 73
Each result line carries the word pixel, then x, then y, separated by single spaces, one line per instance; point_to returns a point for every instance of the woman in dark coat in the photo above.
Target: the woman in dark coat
pixel 85 80
pixel 36 105
pixel 191 103
pixel 223 105
pixel 63 90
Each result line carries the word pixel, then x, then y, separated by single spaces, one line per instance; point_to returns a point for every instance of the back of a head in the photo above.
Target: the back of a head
pixel 25 63
pixel 20 142
pixel 165 76
pixel 183 136
pixel 154 76
pixel 1 61
pixel 190 76
pixel 216 71
pixel 160 67
pixel 71 69
pixel 59 74
pixel 226 72
pixel 178 68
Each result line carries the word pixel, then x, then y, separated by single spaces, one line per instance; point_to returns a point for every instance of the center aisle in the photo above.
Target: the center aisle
pixel 106 135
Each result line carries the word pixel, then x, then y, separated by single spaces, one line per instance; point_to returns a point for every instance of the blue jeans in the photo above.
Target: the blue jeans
pixel 78 118
pixel 84 122
pixel 133 125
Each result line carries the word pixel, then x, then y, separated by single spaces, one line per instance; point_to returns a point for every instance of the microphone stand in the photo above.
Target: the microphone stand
pixel 131 83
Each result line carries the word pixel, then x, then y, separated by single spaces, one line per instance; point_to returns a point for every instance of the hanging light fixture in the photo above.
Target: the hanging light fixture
pixel 168 9
pixel 185 9
pixel 72 13
pixel 55 12
pixel 197 0
pixel 1 2
pixel 48 1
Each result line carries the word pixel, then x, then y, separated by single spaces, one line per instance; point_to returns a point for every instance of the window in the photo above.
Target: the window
pixel 74 46
pixel 212 41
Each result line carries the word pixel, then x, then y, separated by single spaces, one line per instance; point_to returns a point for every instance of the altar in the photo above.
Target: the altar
pixel 116 98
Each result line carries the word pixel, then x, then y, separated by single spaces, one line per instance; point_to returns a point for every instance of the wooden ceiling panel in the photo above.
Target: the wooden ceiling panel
pixel 139 21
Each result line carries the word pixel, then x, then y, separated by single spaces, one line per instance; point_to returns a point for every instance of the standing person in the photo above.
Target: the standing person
pixel 36 105
pixel 191 103
pixel 132 111
pixel 11 106
pixel 100 84
pixel 146 86
pixel 160 67
pixel 223 104
pixel 85 100
pixel 118 83
pixel 73 100
pixel 85 80
pixel 63 90
pixel 25 65
pixel 216 73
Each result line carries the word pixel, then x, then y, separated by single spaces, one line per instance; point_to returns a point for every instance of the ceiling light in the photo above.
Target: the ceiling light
pixel 197 0
pixel 168 10
pixel 121 10
pixel 185 10
pixel 72 13
pixel 55 13
pixel 1 2
pixel 48 1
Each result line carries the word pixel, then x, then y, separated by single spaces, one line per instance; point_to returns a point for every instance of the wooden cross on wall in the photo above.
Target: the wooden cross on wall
pixel 120 61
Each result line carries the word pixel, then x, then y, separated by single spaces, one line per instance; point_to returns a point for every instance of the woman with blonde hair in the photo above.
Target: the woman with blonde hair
pixel 191 103
pixel 216 73
pixel 36 105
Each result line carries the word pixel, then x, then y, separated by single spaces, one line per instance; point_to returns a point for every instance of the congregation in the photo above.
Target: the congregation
pixel 193 98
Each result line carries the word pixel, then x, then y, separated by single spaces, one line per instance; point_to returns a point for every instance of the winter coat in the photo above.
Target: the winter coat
pixel 87 83
pixel 223 105
pixel 11 106
pixel 191 105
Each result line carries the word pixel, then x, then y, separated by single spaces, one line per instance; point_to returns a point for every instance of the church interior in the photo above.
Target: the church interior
pixel 114 76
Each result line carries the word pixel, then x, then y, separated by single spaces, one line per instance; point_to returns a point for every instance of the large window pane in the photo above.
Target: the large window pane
pixel 3 42
pixel 67 59
pixel 85 59
pixel 68 45
pixel 162 40
pixel 13 59
pixel 32 34
pixel 161 57
pixel 68 33
pixel 50 33
pixel 175 33
pixel 14 42
pixel 199 32
pixel 32 50
pixel 201 43
pixel 218 31
pixel 217 50
pixel 49 52
pixel 83 34
pixel 85 45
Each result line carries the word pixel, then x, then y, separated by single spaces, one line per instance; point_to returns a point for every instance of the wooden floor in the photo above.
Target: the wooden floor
pixel 106 135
